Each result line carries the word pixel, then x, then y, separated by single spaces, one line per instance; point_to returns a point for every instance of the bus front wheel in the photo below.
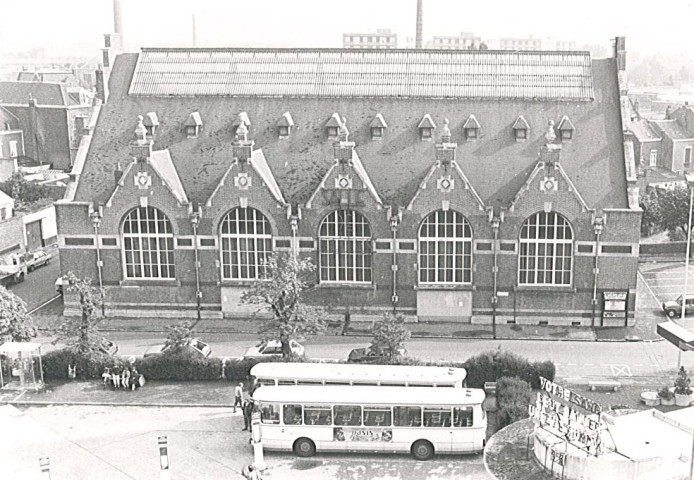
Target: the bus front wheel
pixel 304 447
pixel 422 450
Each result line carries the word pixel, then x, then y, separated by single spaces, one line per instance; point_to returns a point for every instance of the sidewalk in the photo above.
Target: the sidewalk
pixel 648 315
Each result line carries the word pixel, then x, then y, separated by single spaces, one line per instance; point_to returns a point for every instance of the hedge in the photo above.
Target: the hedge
pixel 88 366
pixel 492 365
pixel 513 395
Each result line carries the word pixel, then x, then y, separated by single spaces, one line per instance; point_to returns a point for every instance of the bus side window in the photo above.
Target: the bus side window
pixel 270 413
pixel 407 416
pixel 347 415
pixel 437 417
pixel 377 417
pixel 462 417
pixel 286 382
pixel 292 414
pixel 317 415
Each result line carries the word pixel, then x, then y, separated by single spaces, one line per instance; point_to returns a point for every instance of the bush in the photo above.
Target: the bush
pixel 492 365
pixel 88 366
pixel 180 365
pixel 513 397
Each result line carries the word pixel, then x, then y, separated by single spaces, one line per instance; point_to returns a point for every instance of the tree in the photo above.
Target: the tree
pixel 178 335
pixel 390 335
pixel 82 333
pixel 651 219
pixel 513 397
pixel 22 191
pixel 15 322
pixel 280 291
pixel 666 209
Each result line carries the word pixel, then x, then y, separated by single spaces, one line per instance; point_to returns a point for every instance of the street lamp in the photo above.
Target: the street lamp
pixel 195 220
pixel 96 217
pixel 690 183
pixel 394 222
pixel 496 221
pixel 598 225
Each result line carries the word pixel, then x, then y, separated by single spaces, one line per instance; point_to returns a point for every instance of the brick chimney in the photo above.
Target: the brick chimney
pixel 620 54
pixel 33 134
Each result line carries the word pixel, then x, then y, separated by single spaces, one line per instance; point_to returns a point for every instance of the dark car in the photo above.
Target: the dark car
pixel 194 344
pixel 368 355
pixel 673 308
pixel 36 259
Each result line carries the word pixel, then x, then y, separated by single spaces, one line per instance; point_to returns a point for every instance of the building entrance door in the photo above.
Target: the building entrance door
pixel 34 235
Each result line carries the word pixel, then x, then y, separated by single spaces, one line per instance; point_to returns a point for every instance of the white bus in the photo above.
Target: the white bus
pixel 421 421
pixel 363 375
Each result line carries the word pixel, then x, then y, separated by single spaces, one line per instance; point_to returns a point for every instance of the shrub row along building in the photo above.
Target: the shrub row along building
pixel 469 186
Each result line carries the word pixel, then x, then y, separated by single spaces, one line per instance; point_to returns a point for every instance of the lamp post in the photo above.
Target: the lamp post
pixel 394 221
pixel 690 184
pixel 598 225
pixel 96 218
pixel 496 221
pixel 195 220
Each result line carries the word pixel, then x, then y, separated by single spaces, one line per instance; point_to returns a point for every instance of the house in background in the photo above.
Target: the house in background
pixel 50 119
pixel 6 206
pixel 11 144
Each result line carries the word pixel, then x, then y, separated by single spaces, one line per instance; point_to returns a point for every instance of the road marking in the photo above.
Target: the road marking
pixel 618 370
pixel 44 304
pixel 648 287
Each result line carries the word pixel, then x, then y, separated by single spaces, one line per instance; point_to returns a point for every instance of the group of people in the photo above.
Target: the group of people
pixel 123 377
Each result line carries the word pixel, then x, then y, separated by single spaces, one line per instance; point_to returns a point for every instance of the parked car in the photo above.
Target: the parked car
pixel 369 355
pixel 195 345
pixel 273 348
pixel 673 308
pixel 36 259
pixel 60 282
pixel 108 347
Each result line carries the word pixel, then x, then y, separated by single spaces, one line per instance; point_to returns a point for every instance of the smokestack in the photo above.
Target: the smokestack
pixel 418 38
pixel 195 40
pixel 117 18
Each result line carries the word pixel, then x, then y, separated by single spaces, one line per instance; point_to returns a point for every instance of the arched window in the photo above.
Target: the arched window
pixel 246 244
pixel 546 245
pixel 445 248
pixel 148 244
pixel 345 248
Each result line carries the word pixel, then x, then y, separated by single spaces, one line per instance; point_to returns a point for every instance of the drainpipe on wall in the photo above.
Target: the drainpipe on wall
pixel 495 273
pixel 195 220
pixel 96 217
pixel 598 225
pixel 394 221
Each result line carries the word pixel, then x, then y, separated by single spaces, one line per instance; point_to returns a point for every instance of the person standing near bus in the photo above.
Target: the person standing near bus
pixel 238 396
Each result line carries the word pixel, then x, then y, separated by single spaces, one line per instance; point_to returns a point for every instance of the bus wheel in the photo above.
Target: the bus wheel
pixel 304 447
pixel 422 450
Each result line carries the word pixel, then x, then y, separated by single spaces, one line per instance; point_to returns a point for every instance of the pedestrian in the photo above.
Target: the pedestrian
pixel 106 375
pixel 238 396
pixel 251 473
pixel 115 376
pixel 348 319
pixel 125 380
pixel 247 413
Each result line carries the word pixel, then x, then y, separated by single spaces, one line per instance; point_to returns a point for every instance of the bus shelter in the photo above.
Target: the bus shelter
pixel 18 366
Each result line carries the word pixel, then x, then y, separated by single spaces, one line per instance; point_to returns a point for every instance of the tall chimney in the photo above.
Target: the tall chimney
pixel 195 40
pixel 117 18
pixel 418 38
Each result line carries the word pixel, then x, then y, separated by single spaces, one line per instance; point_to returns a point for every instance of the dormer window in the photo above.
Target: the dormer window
pixel 471 127
pixel 566 129
pixel 332 127
pixel 285 125
pixel 193 125
pixel 378 125
pixel 426 128
pixel 520 129
pixel 151 122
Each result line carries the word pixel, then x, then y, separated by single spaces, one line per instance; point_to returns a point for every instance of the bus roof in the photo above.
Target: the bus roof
pixel 369 395
pixel 350 372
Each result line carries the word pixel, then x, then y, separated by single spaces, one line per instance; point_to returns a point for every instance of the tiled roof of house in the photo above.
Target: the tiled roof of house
pixel 17 93
pixel 6 199
pixel 673 129
pixel 364 73
pixel 642 130
pixel 495 164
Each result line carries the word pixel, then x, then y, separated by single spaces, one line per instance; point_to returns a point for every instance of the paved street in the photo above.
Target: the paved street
pixel 120 443
pixel 38 286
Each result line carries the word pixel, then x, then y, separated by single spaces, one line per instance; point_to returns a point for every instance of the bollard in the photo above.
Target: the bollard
pixel 45 464
pixel 257 441
pixel 164 472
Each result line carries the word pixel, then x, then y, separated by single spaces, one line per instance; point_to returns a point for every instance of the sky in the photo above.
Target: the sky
pixel 75 27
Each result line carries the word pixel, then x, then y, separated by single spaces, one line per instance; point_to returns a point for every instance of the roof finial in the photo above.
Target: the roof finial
pixel 550 135
pixel 344 133
pixel 446 132
pixel 140 130
pixel 242 132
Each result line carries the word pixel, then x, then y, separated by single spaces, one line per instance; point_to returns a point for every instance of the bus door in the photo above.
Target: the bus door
pixel 439 427
pixel 463 435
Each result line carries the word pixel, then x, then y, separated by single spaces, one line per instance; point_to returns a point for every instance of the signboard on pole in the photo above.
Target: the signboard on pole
pixel 164 472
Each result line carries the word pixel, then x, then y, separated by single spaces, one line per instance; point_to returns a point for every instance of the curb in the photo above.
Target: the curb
pixel 40 403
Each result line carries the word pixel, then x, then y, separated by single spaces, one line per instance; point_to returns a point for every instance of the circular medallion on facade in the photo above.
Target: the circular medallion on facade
pixel 445 183
pixel 549 184
pixel 243 181
pixel 344 182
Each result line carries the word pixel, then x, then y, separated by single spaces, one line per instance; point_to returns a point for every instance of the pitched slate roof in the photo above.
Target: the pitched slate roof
pixel 17 93
pixel 495 164
pixel 642 130
pixel 363 73
pixel 673 129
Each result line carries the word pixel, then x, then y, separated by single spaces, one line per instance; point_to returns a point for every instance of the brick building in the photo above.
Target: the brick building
pixel 420 181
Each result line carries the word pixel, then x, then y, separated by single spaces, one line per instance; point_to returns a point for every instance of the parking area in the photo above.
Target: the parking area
pixel 666 280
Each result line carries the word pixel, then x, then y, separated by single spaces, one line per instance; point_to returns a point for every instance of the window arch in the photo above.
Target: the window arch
pixel 148 244
pixel 546 249
pixel 345 247
pixel 246 240
pixel 445 248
